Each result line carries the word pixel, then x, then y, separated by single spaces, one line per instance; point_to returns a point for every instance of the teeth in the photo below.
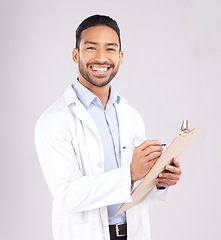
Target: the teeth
pixel 99 69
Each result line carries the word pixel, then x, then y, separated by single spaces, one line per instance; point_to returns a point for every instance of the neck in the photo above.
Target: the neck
pixel 101 92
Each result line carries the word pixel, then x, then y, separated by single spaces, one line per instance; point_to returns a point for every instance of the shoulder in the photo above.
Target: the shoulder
pixel 52 120
pixel 59 111
pixel 53 111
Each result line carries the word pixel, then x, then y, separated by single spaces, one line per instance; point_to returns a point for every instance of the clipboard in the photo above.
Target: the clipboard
pixel 178 145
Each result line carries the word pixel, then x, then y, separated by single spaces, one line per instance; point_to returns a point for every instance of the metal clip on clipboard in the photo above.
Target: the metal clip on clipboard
pixel 184 128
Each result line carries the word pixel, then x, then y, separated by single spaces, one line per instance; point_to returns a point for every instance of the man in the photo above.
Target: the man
pixel 85 143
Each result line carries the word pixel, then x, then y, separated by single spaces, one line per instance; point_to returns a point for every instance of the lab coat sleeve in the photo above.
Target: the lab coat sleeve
pixel 70 188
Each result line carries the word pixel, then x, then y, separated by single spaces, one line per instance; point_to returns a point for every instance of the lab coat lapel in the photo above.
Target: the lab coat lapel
pixel 93 144
pixel 80 111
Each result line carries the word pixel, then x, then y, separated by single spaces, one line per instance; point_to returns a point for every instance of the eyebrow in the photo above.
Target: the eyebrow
pixel 112 44
pixel 95 43
pixel 90 42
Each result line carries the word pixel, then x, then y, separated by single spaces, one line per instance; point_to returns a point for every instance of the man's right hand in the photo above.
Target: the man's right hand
pixel 144 157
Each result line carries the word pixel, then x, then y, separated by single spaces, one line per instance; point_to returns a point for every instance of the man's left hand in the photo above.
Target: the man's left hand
pixel 170 175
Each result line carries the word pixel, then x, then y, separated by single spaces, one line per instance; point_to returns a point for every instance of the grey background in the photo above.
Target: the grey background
pixel 171 72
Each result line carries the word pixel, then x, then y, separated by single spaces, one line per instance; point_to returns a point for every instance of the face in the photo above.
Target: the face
pixel 98 57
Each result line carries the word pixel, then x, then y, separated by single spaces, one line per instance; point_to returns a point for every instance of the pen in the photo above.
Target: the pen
pixel 161 145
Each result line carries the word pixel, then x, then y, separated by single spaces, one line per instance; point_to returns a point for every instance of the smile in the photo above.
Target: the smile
pixel 100 70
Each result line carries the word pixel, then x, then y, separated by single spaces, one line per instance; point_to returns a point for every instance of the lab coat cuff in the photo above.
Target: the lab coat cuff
pixel 134 185
pixel 161 194
pixel 158 195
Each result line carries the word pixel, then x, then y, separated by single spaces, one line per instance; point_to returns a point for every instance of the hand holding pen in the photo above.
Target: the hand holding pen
pixel 144 157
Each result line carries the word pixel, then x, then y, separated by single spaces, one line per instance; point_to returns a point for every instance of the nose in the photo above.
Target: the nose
pixel 101 56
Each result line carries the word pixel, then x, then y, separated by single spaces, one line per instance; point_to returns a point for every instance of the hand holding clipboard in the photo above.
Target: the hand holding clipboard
pixel 174 150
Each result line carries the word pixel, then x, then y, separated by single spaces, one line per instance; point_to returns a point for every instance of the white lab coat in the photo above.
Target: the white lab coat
pixel 71 156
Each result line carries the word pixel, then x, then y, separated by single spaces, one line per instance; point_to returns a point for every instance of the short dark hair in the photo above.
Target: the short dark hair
pixel 96 20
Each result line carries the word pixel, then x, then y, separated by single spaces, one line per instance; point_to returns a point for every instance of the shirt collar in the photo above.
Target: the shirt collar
pixel 83 94
pixel 113 97
pixel 87 97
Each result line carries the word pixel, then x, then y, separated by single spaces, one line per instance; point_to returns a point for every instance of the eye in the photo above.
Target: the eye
pixel 111 49
pixel 91 48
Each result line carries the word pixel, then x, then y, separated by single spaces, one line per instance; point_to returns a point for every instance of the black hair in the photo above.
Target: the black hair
pixel 96 20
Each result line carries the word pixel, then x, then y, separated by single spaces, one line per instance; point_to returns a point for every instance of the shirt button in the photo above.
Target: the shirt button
pixel 100 164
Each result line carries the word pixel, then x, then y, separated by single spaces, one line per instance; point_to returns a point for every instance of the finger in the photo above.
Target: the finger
pixel 161 184
pixel 166 183
pixel 176 162
pixel 148 143
pixel 152 160
pixel 152 149
pixel 168 176
pixel 150 164
pixel 173 169
pixel 152 156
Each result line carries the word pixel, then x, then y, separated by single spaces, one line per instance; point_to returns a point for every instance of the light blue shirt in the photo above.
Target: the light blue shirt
pixel 107 124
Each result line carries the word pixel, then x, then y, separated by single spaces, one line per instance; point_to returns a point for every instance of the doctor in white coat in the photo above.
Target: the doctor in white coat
pixel 85 142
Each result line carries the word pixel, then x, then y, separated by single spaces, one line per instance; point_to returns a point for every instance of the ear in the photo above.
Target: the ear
pixel 121 58
pixel 75 55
